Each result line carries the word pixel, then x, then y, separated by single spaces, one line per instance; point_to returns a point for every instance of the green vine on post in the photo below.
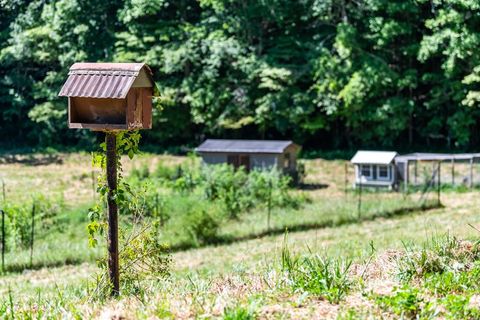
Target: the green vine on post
pixel 127 144
pixel 142 256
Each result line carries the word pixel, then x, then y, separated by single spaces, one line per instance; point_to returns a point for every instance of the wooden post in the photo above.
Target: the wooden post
pixel 407 173
pixel 94 191
pixel 471 173
pixel 453 172
pixel 32 235
pixel 113 267
pixel 346 177
pixel 3 241
pixel 439 181
pixel 269 203
pixel 359 206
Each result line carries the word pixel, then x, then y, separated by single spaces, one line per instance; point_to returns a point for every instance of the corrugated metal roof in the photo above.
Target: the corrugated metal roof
pixel 374 157
pixel 420 156
pixel 244 146
pixel 101 80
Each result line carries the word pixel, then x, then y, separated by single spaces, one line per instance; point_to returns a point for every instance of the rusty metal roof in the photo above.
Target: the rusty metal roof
pixel 102 80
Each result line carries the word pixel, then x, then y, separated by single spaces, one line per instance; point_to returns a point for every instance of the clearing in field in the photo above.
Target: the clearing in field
pixel 238 252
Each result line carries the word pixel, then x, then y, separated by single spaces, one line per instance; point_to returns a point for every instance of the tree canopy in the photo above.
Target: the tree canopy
pixel 328 74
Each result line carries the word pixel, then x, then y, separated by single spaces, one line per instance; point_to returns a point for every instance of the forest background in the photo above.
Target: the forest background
pixel 329 74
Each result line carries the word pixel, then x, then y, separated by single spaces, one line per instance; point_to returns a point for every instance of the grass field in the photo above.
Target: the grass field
pixel 246 276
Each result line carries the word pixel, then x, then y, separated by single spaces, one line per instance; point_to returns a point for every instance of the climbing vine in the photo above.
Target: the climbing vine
pixel 127 144
pixel 141 255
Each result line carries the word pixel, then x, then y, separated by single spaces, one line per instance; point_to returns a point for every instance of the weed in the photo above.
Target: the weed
pixel 407 303
pixel 437 256
pixel 238 313
pixel 454 281
pixel 458 307
pixel 320 276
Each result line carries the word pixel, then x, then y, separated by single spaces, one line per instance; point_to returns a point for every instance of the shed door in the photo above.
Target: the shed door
pixel 245 162
pixel 234 160
pixel 239 160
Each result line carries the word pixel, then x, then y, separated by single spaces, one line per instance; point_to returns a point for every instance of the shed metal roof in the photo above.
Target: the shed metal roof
pixel 244 146
pixel 422 156
pixel 374 157
pixel 102 80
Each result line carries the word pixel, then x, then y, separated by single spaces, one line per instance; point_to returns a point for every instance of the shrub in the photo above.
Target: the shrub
pixel 142 173
pixel 142 257
pixel 239 191
pixel 19 220
pixel 202 226
pixel 165 172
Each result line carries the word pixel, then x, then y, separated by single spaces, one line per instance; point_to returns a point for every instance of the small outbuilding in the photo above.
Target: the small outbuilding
pixel 251 154
pixel 375 168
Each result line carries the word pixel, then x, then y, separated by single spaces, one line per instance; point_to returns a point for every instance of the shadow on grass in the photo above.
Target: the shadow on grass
pixel 21 266
pixel 312 186
pixel 225 240
pixel 31 160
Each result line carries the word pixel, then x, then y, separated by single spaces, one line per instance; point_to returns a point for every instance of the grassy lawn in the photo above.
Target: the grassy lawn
pixel 244 278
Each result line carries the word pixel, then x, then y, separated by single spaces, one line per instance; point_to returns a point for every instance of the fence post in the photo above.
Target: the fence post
pixel 269 203
pixel 359 206
pixel 471 173
pixel 439 182
pixel 346 177
pixel 94 191
pixel 3 241
pixel 32 235
pixel 407 174
pixel 453 172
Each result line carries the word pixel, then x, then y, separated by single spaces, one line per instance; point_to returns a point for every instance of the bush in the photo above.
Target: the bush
pixel 202 226
pixel 166 173
pixel 142 258
pixel 19 220
pixel 142 173
pixel 240 191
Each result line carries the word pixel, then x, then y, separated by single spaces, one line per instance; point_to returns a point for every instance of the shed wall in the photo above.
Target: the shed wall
pixel 257 161
pixel 214 158
pixel 263 161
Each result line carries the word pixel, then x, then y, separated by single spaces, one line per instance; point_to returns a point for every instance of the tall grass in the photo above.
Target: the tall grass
pixel 323 277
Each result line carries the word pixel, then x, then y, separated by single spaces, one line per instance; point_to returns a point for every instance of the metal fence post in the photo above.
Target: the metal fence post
pixel 3 241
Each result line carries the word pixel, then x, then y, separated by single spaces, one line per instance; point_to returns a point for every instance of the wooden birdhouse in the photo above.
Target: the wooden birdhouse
pixel 109 96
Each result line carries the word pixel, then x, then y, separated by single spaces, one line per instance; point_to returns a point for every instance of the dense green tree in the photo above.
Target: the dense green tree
pixel 330 74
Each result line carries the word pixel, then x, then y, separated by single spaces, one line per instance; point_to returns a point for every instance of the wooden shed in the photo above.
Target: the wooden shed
pixel 375 168
pixel 109 96
pixel 251 154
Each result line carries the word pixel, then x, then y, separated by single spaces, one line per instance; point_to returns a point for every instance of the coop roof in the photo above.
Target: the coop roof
pixel 244 146
pixel 422 156
pixel 104 80
pixel 374 157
